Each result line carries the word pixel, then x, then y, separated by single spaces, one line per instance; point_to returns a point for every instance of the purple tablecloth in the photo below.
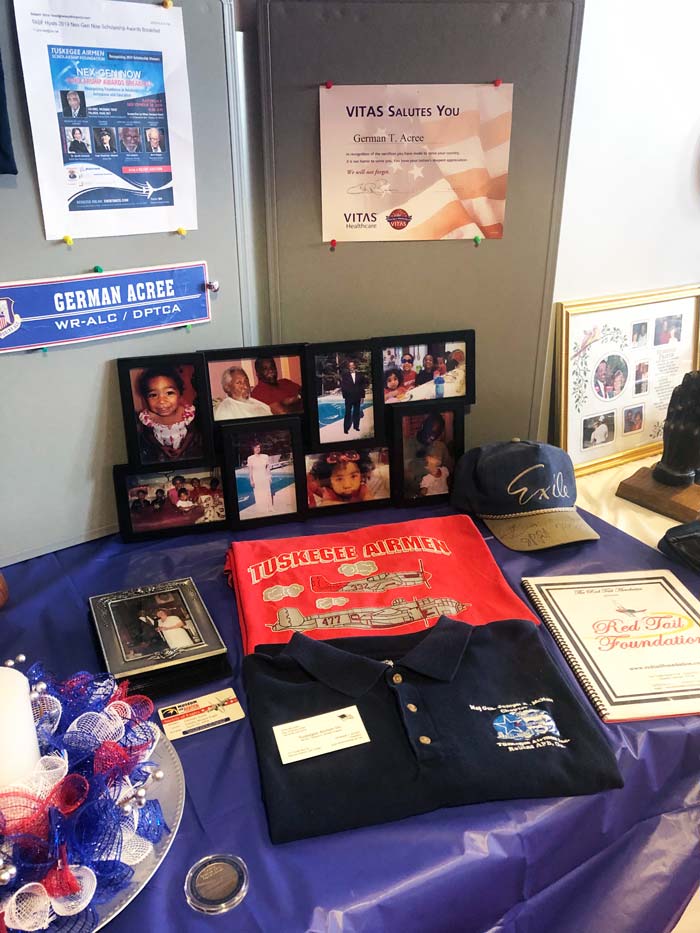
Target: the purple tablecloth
pixel 626 861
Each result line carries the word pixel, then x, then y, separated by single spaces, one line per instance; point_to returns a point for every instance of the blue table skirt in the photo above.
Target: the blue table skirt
pixel 625 861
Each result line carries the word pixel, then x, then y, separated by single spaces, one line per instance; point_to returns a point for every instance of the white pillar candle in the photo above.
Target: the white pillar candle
pixel 19 747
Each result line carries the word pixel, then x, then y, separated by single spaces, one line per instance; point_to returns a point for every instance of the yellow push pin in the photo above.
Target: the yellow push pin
pixel 167 4
pixel 181 231
pixel 68 240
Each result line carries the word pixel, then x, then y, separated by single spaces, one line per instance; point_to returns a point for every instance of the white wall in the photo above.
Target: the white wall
pixel 631 216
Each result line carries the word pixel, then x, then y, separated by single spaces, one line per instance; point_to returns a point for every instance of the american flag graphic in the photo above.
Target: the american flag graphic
pixel 439 153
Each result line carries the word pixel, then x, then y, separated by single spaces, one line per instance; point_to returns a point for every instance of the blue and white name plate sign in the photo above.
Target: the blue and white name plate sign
pixel 87 307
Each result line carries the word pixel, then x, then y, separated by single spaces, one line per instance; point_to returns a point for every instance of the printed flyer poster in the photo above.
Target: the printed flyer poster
pixel 414 161
pixel 109 106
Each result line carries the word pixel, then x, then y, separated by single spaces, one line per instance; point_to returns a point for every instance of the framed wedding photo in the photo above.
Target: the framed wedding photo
pixel 160 501
pixel 342 388
pixel 263 472
pixel 427 367
pixel 165 411
pixel 428 440
pixel 158 634
pixel 347 479
pixel 618 361
pixel 255 382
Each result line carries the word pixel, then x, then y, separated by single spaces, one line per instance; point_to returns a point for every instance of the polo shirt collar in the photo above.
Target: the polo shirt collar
pixel 438 656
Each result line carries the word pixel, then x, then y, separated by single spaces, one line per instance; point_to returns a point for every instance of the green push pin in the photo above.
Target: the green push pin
pixel 44 349
pixel 97 269
pixel 477 240
pixel 188 327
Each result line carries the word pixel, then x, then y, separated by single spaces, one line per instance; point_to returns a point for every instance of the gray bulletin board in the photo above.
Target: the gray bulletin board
pixel 503 288
pixel 60 419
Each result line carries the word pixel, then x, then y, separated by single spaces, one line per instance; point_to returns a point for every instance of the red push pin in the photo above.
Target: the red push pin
pixel 334 243
pixel 497 82
pixel 328 85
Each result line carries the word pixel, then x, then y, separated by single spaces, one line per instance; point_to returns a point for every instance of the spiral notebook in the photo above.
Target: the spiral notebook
pixel 632 639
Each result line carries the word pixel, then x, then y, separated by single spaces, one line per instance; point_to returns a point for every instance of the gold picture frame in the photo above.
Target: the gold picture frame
pixel 617 361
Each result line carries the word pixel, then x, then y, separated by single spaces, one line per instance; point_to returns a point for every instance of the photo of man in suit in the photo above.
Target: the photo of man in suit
pixel 601 379
pixel 104 140
pixel 352 388
pixel 130 138
pixel 155 141
pixel 73 103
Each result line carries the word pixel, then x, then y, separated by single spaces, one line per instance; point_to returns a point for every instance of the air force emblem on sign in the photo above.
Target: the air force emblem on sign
pixel 9 321
pixel 524 725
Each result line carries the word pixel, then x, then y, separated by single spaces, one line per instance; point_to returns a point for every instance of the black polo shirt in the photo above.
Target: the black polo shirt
pixel 456 714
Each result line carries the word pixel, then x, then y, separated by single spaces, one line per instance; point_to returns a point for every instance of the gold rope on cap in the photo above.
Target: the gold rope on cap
pixel 527 514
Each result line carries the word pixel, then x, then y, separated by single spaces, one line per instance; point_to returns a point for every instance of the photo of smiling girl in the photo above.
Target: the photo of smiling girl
pixel 162 411
pixel 347 477
pixel 167 426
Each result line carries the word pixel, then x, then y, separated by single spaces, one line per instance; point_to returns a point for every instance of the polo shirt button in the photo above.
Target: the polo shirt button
pixel 397 678
pixel 424 739
pixel 412 707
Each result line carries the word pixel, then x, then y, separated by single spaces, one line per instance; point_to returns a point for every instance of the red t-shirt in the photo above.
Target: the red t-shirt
pixel 378 580
pixel 268 394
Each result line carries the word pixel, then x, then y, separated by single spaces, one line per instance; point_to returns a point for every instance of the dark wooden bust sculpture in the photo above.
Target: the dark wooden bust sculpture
pixel 680 461
pixel 672 486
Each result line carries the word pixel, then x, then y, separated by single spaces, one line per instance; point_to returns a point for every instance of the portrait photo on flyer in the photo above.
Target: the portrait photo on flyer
pixel 255 382
pixel 151 629
pixel 166 419
pixel 161 501
pixel 427 367
pixel 343 391
pixel 618 361
pixel 263 472
pixel 348 479
pixel 427 442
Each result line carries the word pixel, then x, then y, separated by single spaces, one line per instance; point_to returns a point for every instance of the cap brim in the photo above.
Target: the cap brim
pixel 536 532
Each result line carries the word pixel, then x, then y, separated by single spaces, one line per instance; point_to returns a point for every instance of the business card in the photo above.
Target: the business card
pixel 201 713
pixel 320 735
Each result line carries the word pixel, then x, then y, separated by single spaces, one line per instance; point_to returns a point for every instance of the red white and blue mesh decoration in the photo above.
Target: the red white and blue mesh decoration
pixel 71 834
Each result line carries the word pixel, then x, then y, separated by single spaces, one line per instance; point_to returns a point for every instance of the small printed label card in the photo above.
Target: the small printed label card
pixel 319 735
pixel 207 712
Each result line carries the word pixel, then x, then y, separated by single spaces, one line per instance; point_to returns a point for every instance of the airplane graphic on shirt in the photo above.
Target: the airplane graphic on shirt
pixel 401 612
pixel 376 583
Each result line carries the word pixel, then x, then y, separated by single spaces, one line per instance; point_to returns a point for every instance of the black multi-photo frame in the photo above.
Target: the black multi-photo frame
pixel 263 471
pixel 427 442
pixel 164 408
pixel 247 383
pixel 163 500
pixel 153 635
pixel 344 404
pixel 417 368
pixel 333 422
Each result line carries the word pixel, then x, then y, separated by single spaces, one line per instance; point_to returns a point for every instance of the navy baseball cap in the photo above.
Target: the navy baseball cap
pixel 524 491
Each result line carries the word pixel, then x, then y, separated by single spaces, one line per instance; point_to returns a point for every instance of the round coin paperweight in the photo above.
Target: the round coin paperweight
pixel 216 883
